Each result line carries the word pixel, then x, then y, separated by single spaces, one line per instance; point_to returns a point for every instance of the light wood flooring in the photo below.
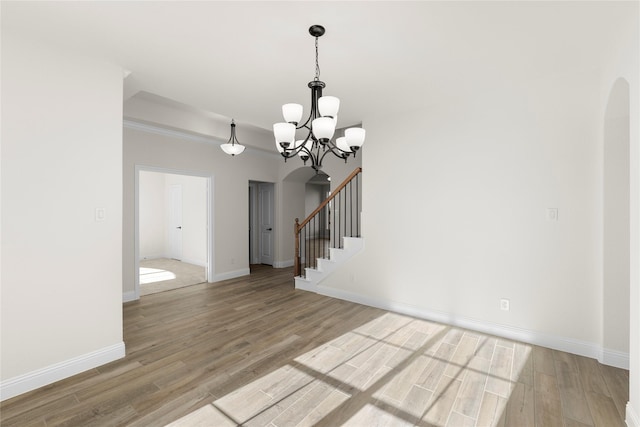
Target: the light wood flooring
pixel 254 351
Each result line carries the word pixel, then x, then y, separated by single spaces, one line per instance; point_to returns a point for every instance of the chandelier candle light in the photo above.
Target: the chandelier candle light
pixel 232 146
pixel 321 125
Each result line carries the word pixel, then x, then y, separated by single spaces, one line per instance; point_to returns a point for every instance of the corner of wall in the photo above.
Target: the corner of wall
pixel 632 417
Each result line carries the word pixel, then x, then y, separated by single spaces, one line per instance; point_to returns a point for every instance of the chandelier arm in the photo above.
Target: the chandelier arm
pixel 344 155
pixel 341 153
pixel 306 124
pixel 293 151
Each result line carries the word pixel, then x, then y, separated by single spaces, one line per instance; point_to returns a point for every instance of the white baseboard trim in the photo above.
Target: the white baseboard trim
pixel 632 417
pixel 58 371
pixel 153 256
pixel 569 345
pixel 194 262
pixel 231 275
pixel 615 358
pixel 283 264
pixel 129 296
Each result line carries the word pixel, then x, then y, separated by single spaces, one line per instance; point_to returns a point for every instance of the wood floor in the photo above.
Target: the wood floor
pixel 254 351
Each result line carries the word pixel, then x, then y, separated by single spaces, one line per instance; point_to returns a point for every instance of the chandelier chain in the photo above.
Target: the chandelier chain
pixel 317 65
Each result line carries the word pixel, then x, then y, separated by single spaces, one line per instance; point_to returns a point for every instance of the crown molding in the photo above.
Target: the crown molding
pixel 175 133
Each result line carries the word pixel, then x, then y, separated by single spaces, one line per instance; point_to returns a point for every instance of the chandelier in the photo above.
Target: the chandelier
pixel 319 127
pixel 232 146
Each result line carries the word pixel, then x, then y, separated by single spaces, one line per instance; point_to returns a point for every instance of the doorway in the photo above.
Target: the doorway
pixel 173 242
pixel 261 222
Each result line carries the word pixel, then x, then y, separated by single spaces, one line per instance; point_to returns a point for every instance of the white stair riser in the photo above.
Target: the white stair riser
pixel 352 245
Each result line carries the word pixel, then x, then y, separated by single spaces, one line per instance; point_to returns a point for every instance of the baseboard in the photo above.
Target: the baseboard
pixel 231 275
pixel 283 264
pixel 56 372
pixel 194 262
pixel 129 296
pixel 632 417
pixel 615 358
pixel 569 345
pixel 154 256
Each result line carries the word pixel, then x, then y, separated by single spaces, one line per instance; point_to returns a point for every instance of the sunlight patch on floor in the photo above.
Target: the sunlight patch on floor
pixel 154 275
pixel 395 370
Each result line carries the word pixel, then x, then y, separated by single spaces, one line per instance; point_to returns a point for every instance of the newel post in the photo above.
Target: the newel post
pixel 296 255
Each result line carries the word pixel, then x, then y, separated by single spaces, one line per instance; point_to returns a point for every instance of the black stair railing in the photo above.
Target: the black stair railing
pixel 338 216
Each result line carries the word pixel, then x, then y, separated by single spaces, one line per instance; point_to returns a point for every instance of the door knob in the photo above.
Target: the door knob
pixel 179 228
pixel 269 229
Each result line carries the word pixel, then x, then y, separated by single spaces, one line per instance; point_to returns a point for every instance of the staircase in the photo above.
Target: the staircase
pixel 325 266
pixel 330 235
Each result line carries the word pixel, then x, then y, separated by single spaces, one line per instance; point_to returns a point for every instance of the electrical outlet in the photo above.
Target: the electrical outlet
pixel 101 214
pixel 552 214
pixel 504 304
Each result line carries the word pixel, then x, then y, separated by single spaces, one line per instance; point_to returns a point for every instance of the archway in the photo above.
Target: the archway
pixel 292 207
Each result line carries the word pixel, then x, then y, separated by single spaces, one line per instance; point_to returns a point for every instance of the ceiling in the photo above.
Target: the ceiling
pixel 244 59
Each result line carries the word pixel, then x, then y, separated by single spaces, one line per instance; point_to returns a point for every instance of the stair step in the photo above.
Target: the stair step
pixel 324 266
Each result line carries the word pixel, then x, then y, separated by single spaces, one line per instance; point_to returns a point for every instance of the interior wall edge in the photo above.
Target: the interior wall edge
pixel 632 417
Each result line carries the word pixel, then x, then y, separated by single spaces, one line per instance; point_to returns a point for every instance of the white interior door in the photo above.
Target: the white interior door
pixel 266 214
pixel 175 221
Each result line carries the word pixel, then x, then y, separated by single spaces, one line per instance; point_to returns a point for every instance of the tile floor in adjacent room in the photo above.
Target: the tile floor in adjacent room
pixel 163 274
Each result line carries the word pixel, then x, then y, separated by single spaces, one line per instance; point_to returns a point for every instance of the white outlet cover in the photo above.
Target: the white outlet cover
pixel 101 214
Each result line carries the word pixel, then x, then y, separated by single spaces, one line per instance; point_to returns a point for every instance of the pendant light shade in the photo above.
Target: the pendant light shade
pixel 292 113
pixel 328 106
pixel 342 144
pixel 285 134
pixel 232 149
pixel 233 146
pixel 355 138
pixel 323 128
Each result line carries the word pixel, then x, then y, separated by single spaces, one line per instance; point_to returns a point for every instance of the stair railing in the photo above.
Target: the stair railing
pixel 337 216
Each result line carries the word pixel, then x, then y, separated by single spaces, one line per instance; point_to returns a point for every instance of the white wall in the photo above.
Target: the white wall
pixel 463 222
pixel 194 217
pixel 154 218
pixel 152 211
pixel 61 268
pixel 314 195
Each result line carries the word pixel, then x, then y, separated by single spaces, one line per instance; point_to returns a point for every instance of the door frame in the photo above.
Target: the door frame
pixel 261 210
pixel 136 227
pixel 173 253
